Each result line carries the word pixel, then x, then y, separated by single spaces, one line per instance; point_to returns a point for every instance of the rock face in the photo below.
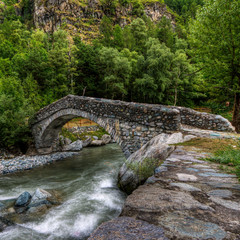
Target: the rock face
pixel 157 148
pixel 84 17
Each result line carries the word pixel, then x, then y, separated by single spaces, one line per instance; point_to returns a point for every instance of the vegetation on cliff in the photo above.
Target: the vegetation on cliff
pixel 142 60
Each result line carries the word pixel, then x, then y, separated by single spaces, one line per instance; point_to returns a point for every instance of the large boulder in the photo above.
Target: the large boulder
pixel 23 199
pixel 106 138
pixel 141 164
pixel 74 147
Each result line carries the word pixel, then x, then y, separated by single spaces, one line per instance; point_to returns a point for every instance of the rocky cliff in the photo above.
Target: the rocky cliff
pixel 84 16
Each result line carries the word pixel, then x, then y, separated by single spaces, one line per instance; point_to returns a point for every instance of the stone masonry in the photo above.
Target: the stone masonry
pixel 131 125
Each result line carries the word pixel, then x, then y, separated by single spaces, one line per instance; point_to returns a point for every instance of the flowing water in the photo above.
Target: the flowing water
pixel 87 183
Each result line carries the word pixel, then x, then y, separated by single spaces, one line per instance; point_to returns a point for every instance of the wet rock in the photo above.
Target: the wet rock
pixel 75 146
pixel 2 206
pixel 39 195
pixel 4 223
pixel 123 228
pixel 106 138
pixel 23 199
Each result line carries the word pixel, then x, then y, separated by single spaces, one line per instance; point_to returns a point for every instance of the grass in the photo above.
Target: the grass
pixel 223 151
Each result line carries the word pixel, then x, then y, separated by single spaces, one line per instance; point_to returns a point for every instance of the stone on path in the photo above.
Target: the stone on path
pixel 226 203
pixel 126 228
pixel 186 177
pixel 220 193
pixel 184 186
pixel 212 174
pixel 185 226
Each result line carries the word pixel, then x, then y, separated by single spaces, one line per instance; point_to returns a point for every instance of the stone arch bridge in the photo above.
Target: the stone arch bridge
pixel 130 124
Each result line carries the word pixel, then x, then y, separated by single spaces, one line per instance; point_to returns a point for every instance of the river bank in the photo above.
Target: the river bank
pixel 187 198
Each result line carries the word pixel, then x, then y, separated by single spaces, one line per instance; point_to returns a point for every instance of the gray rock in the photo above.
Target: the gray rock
pixel 220 193
pixel 97 143
pixel 106 139
pixel 23 199
pixel 186 187
pixel 95 137
pixel 226 203
pixel 75 146
pixel 186 177
pixel 40 195
pixel 185 227
pixel 123 228
pixel 212 174
pixel 87 142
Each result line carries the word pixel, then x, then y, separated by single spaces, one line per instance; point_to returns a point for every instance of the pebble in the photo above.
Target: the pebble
pixel 26 163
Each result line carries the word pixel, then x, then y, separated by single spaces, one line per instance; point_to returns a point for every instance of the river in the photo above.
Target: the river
pixel 87 183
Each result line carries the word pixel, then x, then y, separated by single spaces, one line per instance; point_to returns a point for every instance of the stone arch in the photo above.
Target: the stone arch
pixel 48 131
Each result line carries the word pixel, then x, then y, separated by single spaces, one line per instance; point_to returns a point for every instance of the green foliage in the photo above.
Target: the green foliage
pixel 14 113
pixel 229 156
pixel 215 40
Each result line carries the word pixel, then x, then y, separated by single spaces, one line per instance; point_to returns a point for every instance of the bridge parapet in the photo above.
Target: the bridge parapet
pixel 130 124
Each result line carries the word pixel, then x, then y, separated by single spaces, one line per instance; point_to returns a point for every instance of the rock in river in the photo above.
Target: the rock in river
pixel 23 199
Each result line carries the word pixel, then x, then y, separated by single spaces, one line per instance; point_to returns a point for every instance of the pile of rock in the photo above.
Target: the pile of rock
pixel 27 206
pixel 68 145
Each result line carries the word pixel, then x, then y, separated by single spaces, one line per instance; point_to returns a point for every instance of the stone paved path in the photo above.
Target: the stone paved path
pixel 188 198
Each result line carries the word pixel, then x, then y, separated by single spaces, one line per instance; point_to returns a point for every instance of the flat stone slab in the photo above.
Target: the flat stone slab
pixel 212 174
pixel 161 169
pixel 193 169
pixel 184 226
pixel 200 166
pixel 226 203
pixel 186 177
pixel 126 228
pixel 185 186
pixel 220 193
pixel 173 160
pixel 224 185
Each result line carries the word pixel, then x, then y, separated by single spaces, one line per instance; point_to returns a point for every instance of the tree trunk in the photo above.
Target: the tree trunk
pixel 236 111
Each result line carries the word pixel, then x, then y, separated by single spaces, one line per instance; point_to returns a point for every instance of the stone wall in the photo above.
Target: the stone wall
pixel 204 120
pixel 130 124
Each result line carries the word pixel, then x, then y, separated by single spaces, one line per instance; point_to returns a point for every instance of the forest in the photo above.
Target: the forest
pixel 195 63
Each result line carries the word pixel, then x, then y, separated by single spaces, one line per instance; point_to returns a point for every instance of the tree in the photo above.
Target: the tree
pixel 215 38
pixel 116 70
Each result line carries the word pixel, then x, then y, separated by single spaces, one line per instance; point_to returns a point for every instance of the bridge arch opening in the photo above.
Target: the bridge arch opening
pixel 47 139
